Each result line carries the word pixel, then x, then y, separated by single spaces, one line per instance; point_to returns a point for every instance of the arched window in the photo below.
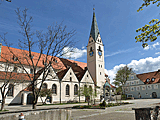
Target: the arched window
pixel 44 86
pixel 75 89
pixel 54 89
pixel 85 88
pixel 90 48
pixel 100 48
pixel 67 89
pixel 10 89
pixel 90 89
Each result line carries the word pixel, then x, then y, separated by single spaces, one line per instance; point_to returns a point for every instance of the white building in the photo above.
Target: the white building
pixel 145 85
pixel 67 75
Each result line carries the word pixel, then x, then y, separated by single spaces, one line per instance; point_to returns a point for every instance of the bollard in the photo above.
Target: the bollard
pixel 155 112
pixel 21 117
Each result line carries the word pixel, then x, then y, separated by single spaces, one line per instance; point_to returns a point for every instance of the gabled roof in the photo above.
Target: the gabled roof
pixel 62 73
pixel 23 57
pixel 144 76
pixel 94 28
pixel 80 75
pixel 75 65
pixel 59 64
pixel 14 76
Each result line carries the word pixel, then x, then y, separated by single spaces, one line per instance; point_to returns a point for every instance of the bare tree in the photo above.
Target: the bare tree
pixel 55 43
pixel 9 78
pixel 6 0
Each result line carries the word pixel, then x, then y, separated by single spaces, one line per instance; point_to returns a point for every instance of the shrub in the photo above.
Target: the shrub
pixel 103 104
pixel 123 97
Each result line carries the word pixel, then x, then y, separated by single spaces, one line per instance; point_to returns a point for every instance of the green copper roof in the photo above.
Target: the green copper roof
pixel 94 28
pixel 107 84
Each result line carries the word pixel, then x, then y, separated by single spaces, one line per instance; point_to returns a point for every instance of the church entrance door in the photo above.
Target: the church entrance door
pixel 30 98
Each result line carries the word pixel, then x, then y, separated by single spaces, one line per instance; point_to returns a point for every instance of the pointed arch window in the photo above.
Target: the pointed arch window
pixel 90 89
pixel 54 89
pixel 67 89
pixel 85 88
pixel 10 90
pixel 75 89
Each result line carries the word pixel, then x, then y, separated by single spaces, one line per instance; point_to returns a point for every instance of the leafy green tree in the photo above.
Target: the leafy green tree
pixel 151 31
pixel 88 92
pixel 122 76
pixel 45 93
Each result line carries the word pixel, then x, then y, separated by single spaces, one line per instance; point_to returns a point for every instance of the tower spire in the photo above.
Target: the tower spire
pixel 94 27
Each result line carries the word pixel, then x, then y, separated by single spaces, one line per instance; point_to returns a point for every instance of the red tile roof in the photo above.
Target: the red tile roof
pixel 143 77
pixel 22 56
pixel 81 64
pixel 80 75
pixel 62 73
pixel 14 76
pixel 61 64
pixel 75 65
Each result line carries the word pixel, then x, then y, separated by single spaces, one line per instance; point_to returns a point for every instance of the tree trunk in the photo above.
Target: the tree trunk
pixel 34 106
pixel 2 104
pixel 42 100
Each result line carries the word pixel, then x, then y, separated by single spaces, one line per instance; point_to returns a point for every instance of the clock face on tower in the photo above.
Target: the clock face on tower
pixel 100 53
pixel 91 53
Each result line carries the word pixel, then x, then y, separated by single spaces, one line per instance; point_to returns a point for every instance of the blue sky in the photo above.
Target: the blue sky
pixel 117 22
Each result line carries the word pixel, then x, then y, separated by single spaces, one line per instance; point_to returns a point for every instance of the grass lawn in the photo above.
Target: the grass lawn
pixel 3 110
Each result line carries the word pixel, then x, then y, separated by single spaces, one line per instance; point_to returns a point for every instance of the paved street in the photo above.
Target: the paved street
pixel 123 112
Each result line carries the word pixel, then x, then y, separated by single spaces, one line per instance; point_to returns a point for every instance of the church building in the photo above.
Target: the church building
pixel 65 81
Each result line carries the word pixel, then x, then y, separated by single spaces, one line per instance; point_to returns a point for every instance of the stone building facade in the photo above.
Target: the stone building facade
pixel 144 85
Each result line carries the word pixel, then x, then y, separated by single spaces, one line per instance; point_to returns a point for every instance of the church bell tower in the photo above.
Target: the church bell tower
pixel 95 54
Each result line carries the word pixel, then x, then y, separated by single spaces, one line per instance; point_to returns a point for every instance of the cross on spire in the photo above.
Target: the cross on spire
pixel 94 27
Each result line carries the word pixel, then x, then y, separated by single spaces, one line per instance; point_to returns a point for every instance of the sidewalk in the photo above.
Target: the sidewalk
pixel 18 108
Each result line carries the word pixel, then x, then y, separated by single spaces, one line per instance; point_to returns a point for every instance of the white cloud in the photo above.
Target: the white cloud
pixel 120 51
pixel 152 46
pixel 77 53
pixel 83 47
pixel 148 64
pixel 157 53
